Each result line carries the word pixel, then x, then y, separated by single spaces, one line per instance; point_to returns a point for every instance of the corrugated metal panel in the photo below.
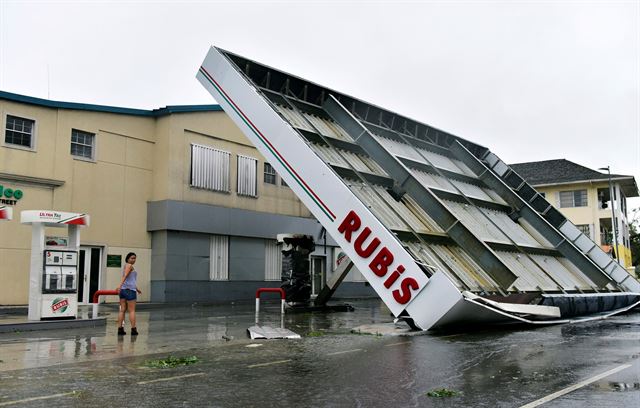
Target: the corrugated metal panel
pixel 567 274
pixel 247 176
pixel 341 157
pixel 209 168
pixel 327 128
pixel 373 166
pixel 337 129
pixel 393 214
pixel 420 213
pixel 475 221
pixel 469 190
pixel 456 264
pixel 472 217
pixel 399 149
pixel 310 122
pixel 272 261
pixel 219 260
pixel 294 118
pixel 419 155
pixel 530 277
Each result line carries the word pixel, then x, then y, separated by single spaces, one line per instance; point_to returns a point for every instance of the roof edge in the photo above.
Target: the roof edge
pixel 167 110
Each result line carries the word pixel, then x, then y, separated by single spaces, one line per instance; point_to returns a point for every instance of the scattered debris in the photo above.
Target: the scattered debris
pixel 171 361
pixel 441 393
pixel 253 345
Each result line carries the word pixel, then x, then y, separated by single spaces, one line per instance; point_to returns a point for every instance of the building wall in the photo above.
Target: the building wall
pixel 181 251
pixel 592 213
pixel 114 188
pixel 214 129
pixel 137 192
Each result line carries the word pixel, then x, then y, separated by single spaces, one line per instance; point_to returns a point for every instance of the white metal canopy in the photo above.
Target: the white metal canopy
pixel 431 220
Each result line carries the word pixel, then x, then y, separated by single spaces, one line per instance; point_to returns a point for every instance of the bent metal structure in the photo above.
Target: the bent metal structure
pixel 444 231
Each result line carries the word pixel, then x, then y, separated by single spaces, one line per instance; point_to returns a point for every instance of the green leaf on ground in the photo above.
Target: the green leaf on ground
pixel 441 393
pixel 315 334
pixel 171 361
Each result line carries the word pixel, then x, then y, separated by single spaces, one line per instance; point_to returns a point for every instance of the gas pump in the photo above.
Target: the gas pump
pixel 53 277
pixel 59 284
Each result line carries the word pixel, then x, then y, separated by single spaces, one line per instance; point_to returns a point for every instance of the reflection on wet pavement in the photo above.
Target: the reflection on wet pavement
pixel 166 330
pixel 329 366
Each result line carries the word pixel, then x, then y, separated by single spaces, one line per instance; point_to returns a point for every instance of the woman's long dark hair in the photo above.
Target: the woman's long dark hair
pixel 129 255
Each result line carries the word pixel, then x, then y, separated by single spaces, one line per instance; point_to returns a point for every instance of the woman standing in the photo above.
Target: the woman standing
pixel 127 291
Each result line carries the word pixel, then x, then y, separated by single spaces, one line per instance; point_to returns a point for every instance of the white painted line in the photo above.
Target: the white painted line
pixel 343 352
pixel 6 403
pixel 170 378
pixel 397 344
pixel 268 364
pixel 574 387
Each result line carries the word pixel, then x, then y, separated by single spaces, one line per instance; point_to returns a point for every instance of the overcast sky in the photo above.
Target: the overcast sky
pixel 530 80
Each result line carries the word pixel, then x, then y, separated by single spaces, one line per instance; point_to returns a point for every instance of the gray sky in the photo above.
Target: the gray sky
pixel 531 80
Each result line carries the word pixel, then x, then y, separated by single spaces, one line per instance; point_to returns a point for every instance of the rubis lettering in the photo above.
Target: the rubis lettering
pixel 403 295
pixel 393 277
pixel 381 262
pixel 350 224
pixel 383 259
pixel 365 253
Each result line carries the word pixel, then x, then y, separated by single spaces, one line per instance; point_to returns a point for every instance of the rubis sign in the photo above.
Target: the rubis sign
pixel 381 263
pixel 59 305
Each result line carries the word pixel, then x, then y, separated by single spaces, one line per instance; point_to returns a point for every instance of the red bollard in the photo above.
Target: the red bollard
pixel 96 295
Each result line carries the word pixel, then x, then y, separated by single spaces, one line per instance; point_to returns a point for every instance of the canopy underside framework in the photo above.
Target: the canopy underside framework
pixel 455 207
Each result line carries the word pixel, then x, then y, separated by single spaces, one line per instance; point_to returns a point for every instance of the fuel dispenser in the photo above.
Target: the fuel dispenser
pixel 53 278
pixel 59 283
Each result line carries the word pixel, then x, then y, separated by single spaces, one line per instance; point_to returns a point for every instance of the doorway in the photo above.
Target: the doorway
pixel 318 277
pixel 89 262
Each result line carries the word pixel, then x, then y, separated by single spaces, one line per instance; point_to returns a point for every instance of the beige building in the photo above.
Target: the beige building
pixel 180 186
pixel 583 196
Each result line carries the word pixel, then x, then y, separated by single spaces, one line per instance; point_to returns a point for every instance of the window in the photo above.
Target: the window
pixel 82 144
pixel 544 195
pixel 272 261
pixel 269 174
pixel 209 168
pixel 19 131
pixel 576 198
pixel 219 258
pixel 247 176
pixel 585 229
pixel 283 183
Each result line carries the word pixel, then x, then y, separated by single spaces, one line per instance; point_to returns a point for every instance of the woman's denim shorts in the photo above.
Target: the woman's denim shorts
pixel 128 294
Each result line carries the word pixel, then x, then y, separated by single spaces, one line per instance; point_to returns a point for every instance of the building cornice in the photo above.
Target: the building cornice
pixel 34 181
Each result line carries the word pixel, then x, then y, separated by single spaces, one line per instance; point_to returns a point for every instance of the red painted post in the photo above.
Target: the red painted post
pixel 99 293
pixel 96 295
pixel 269 290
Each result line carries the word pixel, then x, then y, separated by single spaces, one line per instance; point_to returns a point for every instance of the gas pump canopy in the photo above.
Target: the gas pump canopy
pixel 53 218
pixel 53 272
pixel 444 231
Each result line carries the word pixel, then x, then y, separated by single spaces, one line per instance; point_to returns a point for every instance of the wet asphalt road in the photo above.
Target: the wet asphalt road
pixel 328 367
